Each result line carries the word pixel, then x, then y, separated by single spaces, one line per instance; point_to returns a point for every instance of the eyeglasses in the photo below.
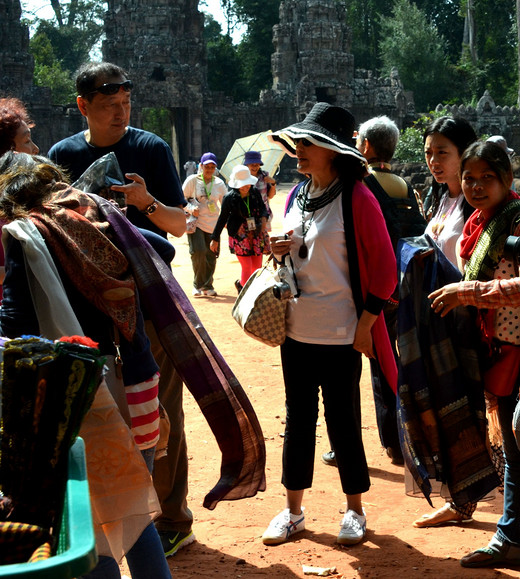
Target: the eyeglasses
pixel 110 88
pixel 304 142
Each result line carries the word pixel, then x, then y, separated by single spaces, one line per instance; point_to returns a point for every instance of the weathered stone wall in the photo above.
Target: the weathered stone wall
pixel 489 119
pixel 16 64
pixel 160 43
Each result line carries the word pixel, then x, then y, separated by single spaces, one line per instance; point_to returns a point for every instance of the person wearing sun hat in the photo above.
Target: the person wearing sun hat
pixel 266 185
pixel 244 214
pixel 345 267
pixel 204 193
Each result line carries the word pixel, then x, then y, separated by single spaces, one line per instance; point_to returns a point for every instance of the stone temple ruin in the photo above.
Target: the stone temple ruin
pixel 160 44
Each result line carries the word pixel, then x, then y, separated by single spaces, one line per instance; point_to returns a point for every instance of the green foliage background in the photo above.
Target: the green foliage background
pixel 424 39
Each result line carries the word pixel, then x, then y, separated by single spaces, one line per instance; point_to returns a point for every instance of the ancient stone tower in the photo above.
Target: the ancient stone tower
pixel 313 62
pixel 159 43
pixel 16 64
pixel 312 44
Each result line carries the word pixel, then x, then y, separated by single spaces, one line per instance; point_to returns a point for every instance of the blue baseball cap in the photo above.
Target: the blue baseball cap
pixel 208 158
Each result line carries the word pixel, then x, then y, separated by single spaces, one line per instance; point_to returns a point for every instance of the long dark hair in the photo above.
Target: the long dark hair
pixel 460 133
pixel 494 156
pixel 350 169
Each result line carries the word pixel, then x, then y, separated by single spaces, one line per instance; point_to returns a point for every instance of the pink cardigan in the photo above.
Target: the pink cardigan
pixel 377 269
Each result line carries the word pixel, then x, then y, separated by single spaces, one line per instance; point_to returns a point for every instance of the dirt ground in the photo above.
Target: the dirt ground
pixel 228 538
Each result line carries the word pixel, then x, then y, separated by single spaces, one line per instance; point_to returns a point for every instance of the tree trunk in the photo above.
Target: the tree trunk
pixel 57 10
pixel 469 38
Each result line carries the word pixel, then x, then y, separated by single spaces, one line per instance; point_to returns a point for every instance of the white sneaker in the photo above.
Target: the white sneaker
pixel 282 527
pixel 210 293
pixel 196 293
pixel 353 528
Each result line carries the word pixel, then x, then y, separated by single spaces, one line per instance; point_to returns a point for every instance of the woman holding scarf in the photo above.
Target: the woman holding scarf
pixel 80 281
pixel 486 182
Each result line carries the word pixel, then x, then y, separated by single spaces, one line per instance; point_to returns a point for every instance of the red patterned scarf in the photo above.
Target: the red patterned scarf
pixel 474 227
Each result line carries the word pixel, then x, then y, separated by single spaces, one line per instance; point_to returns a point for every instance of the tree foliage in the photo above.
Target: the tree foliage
pixel 364 19
pixel 410 148
pixel 49 72
pixel 62 44
pixel 224 66
pixel 413 45
pixel 256 46
pixel 425 39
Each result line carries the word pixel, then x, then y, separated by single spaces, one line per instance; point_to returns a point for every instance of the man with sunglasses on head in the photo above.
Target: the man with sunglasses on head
pixel 155 201
pixel 154 193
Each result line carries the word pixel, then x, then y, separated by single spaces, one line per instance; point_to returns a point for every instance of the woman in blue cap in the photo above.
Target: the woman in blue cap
pixel 266 185
pixel 204 193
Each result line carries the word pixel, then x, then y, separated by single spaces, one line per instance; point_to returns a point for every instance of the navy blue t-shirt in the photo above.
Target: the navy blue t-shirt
pixel 138 152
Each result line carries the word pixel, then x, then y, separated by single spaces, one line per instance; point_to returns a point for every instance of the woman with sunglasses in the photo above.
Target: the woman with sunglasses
pixel 345 267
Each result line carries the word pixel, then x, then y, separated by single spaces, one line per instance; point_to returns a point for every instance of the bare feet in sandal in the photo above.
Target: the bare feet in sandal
pixel 446 515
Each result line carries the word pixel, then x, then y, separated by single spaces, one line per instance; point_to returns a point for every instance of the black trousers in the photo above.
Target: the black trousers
pixel 337 370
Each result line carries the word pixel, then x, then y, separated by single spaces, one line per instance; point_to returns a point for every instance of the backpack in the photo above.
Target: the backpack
pixel 402 216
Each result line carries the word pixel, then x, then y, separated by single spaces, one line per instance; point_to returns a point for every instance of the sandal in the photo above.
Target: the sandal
pixel 487 557
pixel 446 515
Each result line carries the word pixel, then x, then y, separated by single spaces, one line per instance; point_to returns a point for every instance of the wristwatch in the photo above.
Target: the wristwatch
pixel 149 209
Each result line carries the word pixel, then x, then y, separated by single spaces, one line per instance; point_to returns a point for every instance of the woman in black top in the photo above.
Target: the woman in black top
pixel 245 215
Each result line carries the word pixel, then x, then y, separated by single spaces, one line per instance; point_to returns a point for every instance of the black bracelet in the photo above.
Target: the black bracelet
pixel 149 209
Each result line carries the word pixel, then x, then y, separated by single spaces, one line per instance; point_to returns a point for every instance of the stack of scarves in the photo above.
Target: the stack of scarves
pixel 47 388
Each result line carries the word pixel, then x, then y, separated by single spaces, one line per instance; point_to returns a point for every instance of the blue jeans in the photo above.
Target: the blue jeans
pixel 149 457
pixel 508 527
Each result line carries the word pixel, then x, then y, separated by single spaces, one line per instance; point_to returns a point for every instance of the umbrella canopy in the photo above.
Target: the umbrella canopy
pixel 272 154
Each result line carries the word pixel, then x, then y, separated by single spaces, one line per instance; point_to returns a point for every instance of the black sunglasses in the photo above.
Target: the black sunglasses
pixel 110 88
pixel 304 142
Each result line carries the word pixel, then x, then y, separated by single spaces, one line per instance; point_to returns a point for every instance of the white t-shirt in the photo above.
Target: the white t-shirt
pixel 208 196
pixel 445 227
pixel 325 312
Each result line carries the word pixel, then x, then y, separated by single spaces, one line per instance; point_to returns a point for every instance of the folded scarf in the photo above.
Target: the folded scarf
pixel 202 368
pixel 96 267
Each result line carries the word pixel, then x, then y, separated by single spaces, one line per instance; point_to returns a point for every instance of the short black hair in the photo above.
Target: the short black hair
pixel 89 76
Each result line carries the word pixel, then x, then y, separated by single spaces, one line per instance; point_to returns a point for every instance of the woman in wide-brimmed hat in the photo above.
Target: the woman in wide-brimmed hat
pixel 244 214
pixel 345 267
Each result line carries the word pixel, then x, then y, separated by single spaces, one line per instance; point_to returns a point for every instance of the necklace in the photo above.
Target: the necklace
pixel 443 214
pixel 307 205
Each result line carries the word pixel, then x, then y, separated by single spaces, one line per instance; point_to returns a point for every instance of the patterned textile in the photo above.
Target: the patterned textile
pixel 143 405
pixel 491 294
pixel 220 396
pixel 97 269
pixel 123 498
pixel 441 409
pixel 247 243
pixel 21 542
pixel 489 248
pixel 46 391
